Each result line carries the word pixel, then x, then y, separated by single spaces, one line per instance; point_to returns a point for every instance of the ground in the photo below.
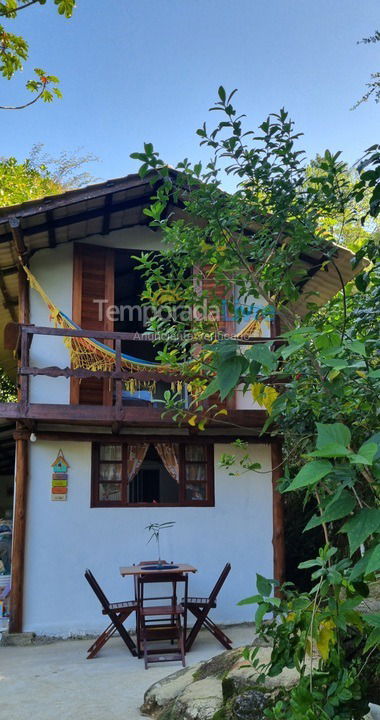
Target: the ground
pixel 54 680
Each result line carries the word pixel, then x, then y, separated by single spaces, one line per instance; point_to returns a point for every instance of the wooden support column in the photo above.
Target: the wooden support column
pixel 21 487
pixel 278 514
pixel 18 543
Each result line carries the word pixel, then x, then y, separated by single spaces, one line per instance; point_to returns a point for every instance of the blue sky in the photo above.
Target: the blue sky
pixel 148 70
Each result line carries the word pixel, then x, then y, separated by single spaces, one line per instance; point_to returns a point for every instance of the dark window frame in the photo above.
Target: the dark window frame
pixel 182 500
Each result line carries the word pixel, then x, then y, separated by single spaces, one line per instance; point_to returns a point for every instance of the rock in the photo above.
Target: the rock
pixel 162 693
pixel 199 701
pixel 249 706
pixel 240 678
pixel 218 665
pixel 18 639
pixel 375 712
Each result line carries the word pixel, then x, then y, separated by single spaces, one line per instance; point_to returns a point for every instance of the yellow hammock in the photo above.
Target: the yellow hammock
pixel 91 354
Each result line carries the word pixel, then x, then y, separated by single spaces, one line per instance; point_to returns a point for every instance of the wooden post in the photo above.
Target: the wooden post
pixel 278 514
pixel 21 484
pixel 18 543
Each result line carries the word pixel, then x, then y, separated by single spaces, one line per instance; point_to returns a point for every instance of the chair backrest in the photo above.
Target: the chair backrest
pixel 219 583
pixel 97 590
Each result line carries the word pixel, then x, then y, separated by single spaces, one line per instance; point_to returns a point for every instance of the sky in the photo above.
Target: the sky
pixel 134 71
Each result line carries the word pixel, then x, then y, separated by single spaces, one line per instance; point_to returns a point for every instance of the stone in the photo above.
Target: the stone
pixel 374 712
pixel 18 639
pixel 240 678
pixel 199 701
pixel 249 706
pixel 162 693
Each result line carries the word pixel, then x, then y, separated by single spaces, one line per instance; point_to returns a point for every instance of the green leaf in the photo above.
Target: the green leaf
pixel 261 354
pixel 260 612
pixel 366 454
pixel 373 639
pixel 332 433
pixel 361 526
pixel 335 510
pixel 228 375
pixel 310 474
pixel 332 450
pixel 222 93
pixel 253 599
pixel 369 563
pixel 356 347
pixel 264 586
pixel 372 619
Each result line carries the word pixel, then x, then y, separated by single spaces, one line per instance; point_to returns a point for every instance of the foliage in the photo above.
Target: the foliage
pixel 14 51
pixel 319 384
pixel 7 388
pixel 40 175
pixel 374 84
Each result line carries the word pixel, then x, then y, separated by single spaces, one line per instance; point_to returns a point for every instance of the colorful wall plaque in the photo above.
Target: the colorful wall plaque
pixel 59 478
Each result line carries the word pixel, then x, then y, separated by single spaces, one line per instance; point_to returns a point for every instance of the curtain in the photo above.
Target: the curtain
pixel 168 453
pixel 135 458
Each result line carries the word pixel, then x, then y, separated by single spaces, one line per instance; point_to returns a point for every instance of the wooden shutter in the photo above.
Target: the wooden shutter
pixel 215 293
pixel 93 280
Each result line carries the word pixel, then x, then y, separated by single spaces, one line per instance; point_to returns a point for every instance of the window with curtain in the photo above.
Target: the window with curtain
pixel 152 473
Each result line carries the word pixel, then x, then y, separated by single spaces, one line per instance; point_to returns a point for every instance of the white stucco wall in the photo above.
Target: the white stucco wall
pixel 63 538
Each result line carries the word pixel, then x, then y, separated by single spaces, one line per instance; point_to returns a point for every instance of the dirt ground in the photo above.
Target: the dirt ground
pixel 54 681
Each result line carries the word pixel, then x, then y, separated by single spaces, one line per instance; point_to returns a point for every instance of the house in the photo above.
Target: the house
pixel 124 464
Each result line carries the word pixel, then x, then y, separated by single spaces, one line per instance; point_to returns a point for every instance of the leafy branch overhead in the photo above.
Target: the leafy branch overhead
pixel 14 52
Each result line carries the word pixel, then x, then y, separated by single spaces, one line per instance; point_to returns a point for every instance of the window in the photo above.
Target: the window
pixel 157 473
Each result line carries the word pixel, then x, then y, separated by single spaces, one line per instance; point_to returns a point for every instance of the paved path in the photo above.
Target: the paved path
pixel 55 681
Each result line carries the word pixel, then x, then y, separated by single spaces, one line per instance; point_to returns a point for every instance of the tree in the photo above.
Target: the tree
pixel 320 385
pixel 14 51
pixel 41 174
pixel 37 176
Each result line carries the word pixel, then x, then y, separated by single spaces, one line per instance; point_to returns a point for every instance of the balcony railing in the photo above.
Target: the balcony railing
pixel 148 413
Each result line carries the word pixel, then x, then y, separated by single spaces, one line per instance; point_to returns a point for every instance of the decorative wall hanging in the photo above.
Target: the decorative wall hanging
pixel 59 477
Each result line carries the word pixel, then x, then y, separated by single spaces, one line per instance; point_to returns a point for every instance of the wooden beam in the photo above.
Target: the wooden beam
pixel 133 416
pixel 18 544
pixel 119 375
pixel 175 436
pixel 18 238
pixel 96 334
pixel 107 210
pixel 141 201
pixel 278 539
pixel 51 229
pixel 9 303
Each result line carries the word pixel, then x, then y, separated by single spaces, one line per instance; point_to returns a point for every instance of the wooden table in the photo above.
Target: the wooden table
pixel 144 570
pixel 169 574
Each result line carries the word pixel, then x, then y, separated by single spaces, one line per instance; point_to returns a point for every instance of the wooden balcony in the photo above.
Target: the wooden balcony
pixel 115 414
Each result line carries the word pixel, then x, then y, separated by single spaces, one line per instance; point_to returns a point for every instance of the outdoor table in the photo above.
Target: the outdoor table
pixel 145 570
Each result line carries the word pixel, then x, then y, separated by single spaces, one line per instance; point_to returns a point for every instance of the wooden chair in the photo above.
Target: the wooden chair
pixel 117 613
pixel 161 622
pixel 200 608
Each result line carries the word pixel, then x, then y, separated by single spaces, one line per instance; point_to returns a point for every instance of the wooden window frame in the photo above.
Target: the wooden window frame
pixel 182 501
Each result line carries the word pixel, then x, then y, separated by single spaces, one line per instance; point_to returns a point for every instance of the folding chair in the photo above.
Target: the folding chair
pixel 117 613
pixel 200 608
pixel 161 622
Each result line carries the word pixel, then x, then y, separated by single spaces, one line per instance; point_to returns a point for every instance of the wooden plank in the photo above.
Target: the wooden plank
pixel 18 546
pixel 96 334
pixel 82 373
pixel 142 437
pixel 139 416
pixel 278 539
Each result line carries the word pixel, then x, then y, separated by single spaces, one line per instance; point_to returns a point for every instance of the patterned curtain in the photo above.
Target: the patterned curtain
pixel 135 458
pixel 168 453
